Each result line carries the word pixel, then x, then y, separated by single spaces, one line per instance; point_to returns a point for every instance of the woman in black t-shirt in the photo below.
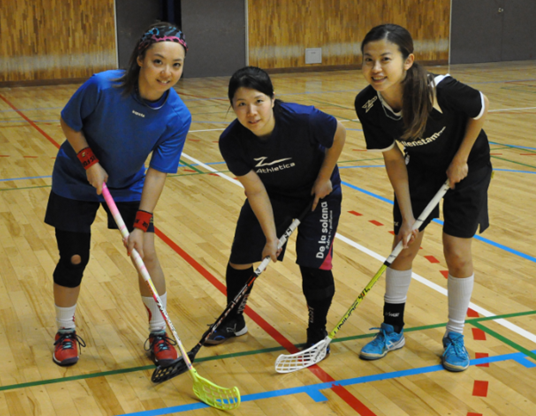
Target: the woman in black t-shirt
pixel 438 121
pixel 284 155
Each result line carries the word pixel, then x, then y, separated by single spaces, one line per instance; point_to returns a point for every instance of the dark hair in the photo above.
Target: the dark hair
pixel 254 78
pixel 157 32
pixel 418 87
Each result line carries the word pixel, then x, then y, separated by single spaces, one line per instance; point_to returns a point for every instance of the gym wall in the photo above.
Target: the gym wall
pixel 55 41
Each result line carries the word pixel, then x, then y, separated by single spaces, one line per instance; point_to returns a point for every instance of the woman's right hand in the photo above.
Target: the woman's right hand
pixel 271 250
pixel 406 233
pixel 96 176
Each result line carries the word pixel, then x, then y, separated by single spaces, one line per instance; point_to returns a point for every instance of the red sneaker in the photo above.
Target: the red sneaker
pixel 161 348
pixel 66 351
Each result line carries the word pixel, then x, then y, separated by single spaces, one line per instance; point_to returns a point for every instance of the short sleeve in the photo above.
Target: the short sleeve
pixel 232 150
pixel 458 97
pixel 323 127
pixel 82 104
pixel 167 154
pixel 376 138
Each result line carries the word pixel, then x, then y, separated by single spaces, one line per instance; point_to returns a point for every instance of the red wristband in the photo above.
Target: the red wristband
pixel 143 220
pixel 87 158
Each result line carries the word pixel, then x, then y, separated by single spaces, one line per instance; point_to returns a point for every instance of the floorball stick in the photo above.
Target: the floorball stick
pixel 317 352
pixel 208 392
pixel 180 366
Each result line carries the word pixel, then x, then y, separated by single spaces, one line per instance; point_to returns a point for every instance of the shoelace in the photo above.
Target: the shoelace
pixel 458 347
pixel 380 336
pixel 161 341
pixel 66 340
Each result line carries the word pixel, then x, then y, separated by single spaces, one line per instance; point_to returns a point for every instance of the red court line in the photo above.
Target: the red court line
pixel 355 213
pixel 379 224
pixel 480 388
pixel 482 355
pixel 471 313
pixel 445 273
pixel 344 394
pixel 50 139
pixel 431 259
pixel 478 334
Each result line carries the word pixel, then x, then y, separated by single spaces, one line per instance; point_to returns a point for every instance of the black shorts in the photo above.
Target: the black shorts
pixel 465 208
pixel 77 216
pixel 314 244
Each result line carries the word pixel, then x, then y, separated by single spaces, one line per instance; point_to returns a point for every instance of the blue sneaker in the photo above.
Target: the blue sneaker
pixel 386 340
pixel 455 358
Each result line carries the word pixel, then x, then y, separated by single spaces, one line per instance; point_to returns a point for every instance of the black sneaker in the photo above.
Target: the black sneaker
pixel 314 336
pixel 233 327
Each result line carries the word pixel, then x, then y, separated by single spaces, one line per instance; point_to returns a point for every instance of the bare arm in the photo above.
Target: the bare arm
pixel 152 189
pixel 96 175
pixel 262 207
pixel 398 176
pixel 458 168
pixel 323 185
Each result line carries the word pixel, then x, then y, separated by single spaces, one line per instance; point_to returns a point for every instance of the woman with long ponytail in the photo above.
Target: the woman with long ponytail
pixel 437 121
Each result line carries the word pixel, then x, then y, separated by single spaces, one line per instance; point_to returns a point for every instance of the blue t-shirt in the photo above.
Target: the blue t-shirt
pixel 122 131
pixel 289 160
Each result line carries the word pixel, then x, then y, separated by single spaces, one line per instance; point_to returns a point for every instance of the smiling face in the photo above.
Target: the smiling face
pixel 254 111
pixel 384 67
pixel 160 69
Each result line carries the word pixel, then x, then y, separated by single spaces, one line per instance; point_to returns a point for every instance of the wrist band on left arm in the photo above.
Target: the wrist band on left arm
pixel 87 157
pixel 143 220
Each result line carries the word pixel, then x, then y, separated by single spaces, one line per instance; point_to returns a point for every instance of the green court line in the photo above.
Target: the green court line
pixel 191 166
pixel 515 163
pixel 473 321
pixel 505 340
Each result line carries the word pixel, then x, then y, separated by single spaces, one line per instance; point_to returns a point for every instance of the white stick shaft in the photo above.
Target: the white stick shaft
pixel 140 265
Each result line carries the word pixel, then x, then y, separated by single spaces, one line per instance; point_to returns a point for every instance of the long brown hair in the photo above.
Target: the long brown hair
pixel 418 87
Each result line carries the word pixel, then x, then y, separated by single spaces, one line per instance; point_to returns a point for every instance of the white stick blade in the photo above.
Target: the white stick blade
pixel 303 359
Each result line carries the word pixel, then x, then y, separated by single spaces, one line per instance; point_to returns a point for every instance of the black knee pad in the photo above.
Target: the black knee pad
pixel 317 284
pixel 71 244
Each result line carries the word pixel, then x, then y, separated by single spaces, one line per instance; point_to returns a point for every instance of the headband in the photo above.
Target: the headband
pixel 164 34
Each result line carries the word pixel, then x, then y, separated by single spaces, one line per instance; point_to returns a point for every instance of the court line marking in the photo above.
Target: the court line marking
pixel 518 330
pixel 314 390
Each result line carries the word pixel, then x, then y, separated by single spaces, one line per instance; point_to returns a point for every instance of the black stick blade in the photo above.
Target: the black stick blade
pixel 176 368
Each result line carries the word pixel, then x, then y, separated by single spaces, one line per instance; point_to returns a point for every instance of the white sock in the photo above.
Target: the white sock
pixel 397 285
pixel 459 291
pixel 156 320
pixel 65 317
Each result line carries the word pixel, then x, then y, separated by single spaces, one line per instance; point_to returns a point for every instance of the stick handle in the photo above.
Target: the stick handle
pixel 140 265
pixel 389 260
pixel 282 240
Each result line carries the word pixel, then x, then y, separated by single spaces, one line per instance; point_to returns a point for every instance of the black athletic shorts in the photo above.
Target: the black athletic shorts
pixel 465 208
pixel 314 244
pixel 77 216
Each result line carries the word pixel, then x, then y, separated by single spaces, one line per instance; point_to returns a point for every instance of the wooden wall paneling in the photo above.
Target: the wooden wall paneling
pixel 279 31
pixel 55 39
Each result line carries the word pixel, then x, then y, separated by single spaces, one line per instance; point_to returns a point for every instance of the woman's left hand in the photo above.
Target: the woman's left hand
pixel 135 241
pixel 321 188
pixel 457 171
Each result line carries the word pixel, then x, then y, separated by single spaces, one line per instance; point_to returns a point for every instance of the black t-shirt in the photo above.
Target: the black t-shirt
pixel 289 160
pixel 444 131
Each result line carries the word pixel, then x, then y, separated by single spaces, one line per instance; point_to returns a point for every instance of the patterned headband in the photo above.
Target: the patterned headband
pixel 165 34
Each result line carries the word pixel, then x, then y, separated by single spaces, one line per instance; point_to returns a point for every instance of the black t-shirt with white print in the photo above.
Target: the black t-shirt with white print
pixel 289 160
pixel 445 128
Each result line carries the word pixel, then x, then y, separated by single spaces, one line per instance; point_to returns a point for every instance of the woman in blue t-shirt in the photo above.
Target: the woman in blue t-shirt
pixel 284 155
pixel 438 121
pixel 112 123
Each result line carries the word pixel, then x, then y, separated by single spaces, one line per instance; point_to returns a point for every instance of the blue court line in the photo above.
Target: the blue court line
pixel 314 390
pixel 514 171
pixel 476 237
pixel 514 146
pixel 29 177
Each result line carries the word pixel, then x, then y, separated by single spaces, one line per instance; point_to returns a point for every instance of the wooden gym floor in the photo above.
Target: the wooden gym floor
pixel 195 219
